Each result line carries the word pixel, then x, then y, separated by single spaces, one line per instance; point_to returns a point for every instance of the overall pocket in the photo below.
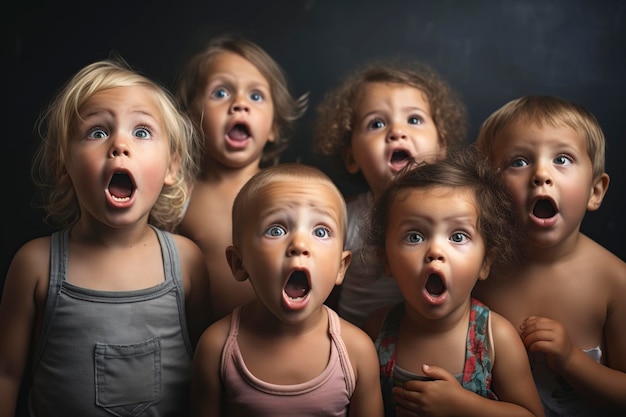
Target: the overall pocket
pixel 128 377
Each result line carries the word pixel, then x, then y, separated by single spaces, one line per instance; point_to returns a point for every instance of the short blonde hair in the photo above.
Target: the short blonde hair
pixel 245 199
pixel 546 109
pixel 192 81
pixel 58 196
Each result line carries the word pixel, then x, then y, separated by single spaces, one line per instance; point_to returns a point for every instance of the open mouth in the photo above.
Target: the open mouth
pixel 400 156
pixel 544 209
pixel 297 286
pixel 435 285
pixel 399 159
pixel 121 186
pixel 239 132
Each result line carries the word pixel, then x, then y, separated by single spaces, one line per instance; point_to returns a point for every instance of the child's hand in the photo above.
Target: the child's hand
pixel 439 397
pixel 541 334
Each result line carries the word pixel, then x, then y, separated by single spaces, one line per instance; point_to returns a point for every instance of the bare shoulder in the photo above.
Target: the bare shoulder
pixel 213 339
pixel 26 283
pixel 606 264
pixel 358 343
pixel 502 329
pixel 30 265
pixel 187 248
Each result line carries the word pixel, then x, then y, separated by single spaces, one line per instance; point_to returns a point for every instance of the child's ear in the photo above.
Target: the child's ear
pixel 172 171
pixel 236 263
pixel 273 134
pixel 346 257
pixel 348 159
pixel 598 190
pixel 485 268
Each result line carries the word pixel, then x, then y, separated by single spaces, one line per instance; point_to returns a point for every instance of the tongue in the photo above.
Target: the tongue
pixel 434 285
pixel 238 133
pixel 297 286
pixel 121 186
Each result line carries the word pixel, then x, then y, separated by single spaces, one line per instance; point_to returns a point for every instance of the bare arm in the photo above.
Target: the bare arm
pixel 602 385
pixel 206 384
pixel 24 285
pixel 367 400
pixel 198 306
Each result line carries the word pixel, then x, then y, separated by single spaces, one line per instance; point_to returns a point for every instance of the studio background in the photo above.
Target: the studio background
pixel 490 51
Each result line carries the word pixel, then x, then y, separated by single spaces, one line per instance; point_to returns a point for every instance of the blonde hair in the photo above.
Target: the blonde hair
pixel 546 109
pixel 192 81
pixel 245 199
pixel 335 115
pixel 58 196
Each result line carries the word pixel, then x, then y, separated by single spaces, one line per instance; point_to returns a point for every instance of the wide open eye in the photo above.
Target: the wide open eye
pixel 322 232
pixel 414 237
pixel 220 93
pixel 97 133
pixel 256 97
pixel 562 160
pixel 142 132
pixel 275 231
pixel 458 237
pixel 519 163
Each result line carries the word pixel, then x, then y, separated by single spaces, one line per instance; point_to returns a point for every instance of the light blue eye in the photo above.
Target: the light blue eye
pixel 142 133
pixel 257 97
pixel 415 120
pixel 458 237
pixel 414 237
pixel 322 232
pixel 275 231
pixel 562 160
pixel 220 93
pixel 518 163
pixel 98 134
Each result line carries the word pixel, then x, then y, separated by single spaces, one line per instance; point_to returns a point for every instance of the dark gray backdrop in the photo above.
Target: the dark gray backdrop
pixel 490 51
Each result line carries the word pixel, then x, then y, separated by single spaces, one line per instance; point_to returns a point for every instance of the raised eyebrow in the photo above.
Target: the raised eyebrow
pixel 412 109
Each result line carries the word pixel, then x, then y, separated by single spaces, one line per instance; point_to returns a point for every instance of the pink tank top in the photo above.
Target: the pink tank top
pixel 328 394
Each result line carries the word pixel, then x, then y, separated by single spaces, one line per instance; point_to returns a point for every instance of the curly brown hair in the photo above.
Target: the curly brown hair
pixel 335 115
pixel 465 168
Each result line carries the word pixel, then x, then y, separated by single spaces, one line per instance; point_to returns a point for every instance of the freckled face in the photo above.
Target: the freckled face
pixel 392 124
pixel 119 156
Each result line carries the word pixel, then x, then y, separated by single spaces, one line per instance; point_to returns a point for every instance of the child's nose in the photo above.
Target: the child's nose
pixel 239 105
pixel 298 245
pixel 119 146
pixel 541 176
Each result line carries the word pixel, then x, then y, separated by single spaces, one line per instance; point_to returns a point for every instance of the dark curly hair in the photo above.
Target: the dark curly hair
pixel 464 168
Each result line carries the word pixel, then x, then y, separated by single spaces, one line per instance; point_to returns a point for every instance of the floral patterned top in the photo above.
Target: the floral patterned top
pixel 476 374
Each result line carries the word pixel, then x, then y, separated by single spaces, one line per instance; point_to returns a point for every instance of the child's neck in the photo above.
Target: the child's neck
pixel 221 173
pixel 257 316
pixel 564 249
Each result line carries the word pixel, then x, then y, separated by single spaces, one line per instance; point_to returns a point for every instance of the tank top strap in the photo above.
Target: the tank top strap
pixel 173 275
pixel 59 250
pixel 477 369
pixel 387 338
pixel 334 329
pixel 231 340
